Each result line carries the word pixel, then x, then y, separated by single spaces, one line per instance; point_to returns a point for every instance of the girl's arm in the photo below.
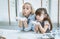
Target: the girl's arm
pixel 46 26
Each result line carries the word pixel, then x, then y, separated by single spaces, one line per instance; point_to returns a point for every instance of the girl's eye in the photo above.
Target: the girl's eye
pixel 27 8
pixel 23 8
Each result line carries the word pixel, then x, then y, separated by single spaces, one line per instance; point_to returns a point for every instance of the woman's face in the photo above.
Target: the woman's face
pixel 41 17
pixel 26 9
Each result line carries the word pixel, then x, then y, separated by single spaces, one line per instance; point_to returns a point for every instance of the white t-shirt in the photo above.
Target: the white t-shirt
pixel 46 22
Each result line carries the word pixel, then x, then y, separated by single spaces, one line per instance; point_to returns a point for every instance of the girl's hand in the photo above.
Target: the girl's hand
pixel 36 28
pixel 38 23
pixel 35 22
pixel 20 23
pixel 25 23
pixel 23 19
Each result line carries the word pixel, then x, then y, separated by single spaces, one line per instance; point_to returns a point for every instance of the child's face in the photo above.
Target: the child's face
pixel 41 17
pixel 26 10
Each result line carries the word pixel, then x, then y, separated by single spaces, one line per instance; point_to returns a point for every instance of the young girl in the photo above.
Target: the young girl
pixel 28 15
pixel 44 23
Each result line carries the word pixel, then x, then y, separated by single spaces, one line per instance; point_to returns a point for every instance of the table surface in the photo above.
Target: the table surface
pixel 16 34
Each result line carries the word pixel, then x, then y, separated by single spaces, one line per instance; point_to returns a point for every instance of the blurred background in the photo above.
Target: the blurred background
pixel 9 9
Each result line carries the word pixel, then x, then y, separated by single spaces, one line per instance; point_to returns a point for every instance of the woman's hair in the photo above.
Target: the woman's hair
pixel 39 12
pixel 32 10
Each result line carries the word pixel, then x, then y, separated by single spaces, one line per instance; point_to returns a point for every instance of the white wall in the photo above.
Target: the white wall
pixel 4 10
pixel 59 11
pixel 12 11
pixel 35 3
pixel 19 6
pixel 54 11
pixel 45 4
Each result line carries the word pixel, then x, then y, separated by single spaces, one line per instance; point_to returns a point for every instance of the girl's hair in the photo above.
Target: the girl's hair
pixel 39 12
pixel 32 10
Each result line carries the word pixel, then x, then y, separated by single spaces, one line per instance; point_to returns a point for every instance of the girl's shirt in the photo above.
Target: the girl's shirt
pixel 29 19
